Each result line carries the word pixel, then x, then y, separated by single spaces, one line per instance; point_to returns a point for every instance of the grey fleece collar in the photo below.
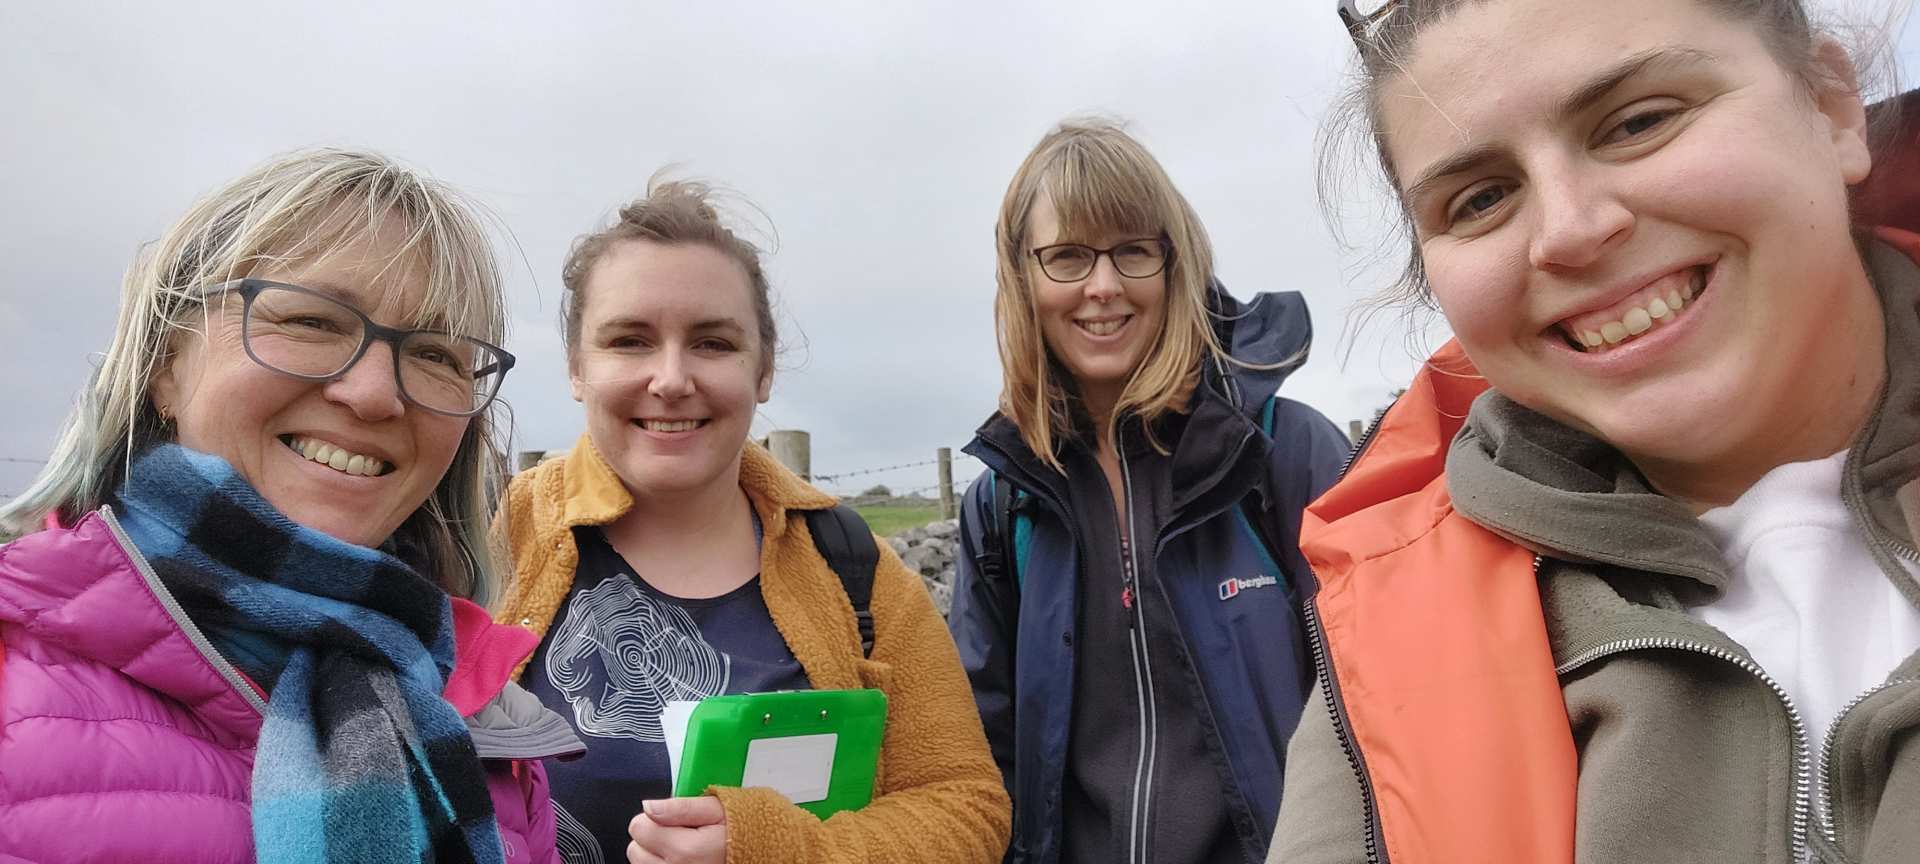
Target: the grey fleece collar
pixel 1569 495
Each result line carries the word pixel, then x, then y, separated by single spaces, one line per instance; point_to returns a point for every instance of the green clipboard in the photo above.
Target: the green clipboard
pixel 818 747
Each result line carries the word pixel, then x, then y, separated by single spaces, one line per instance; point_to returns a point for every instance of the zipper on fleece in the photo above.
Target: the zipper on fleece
pixel 200 642
pixel 1854 496
pixel 1139 817
pixel 1376 846
pixel 1803 769
pixel 1829 826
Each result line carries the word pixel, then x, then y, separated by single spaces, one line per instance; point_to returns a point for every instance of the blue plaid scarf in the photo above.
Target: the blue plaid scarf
pixel 359 759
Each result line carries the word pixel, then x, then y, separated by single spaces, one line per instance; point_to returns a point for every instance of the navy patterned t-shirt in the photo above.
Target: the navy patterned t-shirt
pixel 617 652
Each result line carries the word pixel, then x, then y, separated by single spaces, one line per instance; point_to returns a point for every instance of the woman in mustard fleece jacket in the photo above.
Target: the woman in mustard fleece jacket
pixel 667 558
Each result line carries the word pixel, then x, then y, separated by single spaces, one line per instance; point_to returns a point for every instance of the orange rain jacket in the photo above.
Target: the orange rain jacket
pixel 1450 695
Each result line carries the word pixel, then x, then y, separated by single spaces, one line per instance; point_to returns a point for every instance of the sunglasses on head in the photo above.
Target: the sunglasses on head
pixel 1359 14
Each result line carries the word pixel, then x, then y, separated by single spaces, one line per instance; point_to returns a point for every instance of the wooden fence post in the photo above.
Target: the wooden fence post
pixel 794 449
pixel 947 508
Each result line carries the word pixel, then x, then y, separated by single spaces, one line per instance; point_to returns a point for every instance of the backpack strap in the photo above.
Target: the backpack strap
pixel 844 539
pixel 1256 527
pixel 1002 545
pixel 995 561
pixel 1019 524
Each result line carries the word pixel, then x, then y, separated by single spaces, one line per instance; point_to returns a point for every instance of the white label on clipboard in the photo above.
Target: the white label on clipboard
pixel 797 766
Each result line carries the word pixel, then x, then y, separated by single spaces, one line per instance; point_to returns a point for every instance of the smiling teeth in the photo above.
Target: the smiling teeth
pixel 1637 320
pixel 315 450
pixel 670 425
pixel 1106 327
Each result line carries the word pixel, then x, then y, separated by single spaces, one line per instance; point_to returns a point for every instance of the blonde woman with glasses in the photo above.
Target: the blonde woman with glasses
pixel 1627 575
pixel 1126 599
pixel 245 620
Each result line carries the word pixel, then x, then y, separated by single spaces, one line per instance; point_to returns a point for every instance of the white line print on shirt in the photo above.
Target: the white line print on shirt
pixel 649 653
pixel 575 843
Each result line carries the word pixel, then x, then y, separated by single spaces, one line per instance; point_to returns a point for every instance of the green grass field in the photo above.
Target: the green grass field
pixel 889 520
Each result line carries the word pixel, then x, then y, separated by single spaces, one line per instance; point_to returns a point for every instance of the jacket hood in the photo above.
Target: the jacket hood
pixel 1272 330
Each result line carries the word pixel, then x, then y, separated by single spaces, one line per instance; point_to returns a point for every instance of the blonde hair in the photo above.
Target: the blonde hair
pixel 300 206
pixel 1099 179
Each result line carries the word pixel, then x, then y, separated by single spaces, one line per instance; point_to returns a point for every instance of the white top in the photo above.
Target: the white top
pixel 1807 600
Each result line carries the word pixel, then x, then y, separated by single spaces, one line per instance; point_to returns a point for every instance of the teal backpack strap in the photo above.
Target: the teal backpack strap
pixel 1004 543
pixel 1022 540
pixel 1260 540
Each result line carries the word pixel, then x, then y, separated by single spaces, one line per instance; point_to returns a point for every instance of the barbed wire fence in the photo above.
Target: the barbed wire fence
pixel 838 476
pixel 947 490
pixel 932 490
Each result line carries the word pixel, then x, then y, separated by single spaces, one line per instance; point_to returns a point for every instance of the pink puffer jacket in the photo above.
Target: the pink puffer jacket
pixel 124 737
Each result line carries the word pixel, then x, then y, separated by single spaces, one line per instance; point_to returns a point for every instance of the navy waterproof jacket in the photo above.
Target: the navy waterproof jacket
pixel 1246 649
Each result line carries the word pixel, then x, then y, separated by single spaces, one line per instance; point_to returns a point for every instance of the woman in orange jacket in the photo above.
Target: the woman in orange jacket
pixel 1629 573
pixel 667 558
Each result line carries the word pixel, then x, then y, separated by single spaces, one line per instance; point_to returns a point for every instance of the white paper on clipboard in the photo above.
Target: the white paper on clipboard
pixel 673 725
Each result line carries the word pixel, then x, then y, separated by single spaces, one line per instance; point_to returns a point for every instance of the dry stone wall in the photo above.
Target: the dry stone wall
pixel 929 551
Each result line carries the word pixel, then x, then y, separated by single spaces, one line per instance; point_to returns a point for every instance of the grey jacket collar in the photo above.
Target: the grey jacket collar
pixel 1570 496
pixel 1883 470
pixel 515 725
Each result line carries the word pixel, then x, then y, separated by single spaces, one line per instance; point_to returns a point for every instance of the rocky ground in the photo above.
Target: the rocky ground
pixel 929 550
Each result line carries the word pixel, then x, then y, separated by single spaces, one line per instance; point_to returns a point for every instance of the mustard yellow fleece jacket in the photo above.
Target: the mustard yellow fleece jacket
pixel 937 796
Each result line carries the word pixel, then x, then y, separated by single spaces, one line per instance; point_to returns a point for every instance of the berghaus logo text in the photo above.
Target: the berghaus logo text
pixel 1230 587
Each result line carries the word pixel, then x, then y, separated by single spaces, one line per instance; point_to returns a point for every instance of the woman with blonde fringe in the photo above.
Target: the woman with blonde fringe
pixel 245 624
pixel 1126 602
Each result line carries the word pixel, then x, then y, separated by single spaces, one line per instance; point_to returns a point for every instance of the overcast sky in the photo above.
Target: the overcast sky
pixel 878 137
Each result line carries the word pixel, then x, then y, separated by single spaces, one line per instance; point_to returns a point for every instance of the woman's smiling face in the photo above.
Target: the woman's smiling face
pixel 1101 326
pixel 1635 219
pixel 225 404
pixel 670 366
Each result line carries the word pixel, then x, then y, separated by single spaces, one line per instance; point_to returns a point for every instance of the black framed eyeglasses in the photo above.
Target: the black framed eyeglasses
pixel 305 334
pixel 1358 15
pixel 1072 262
